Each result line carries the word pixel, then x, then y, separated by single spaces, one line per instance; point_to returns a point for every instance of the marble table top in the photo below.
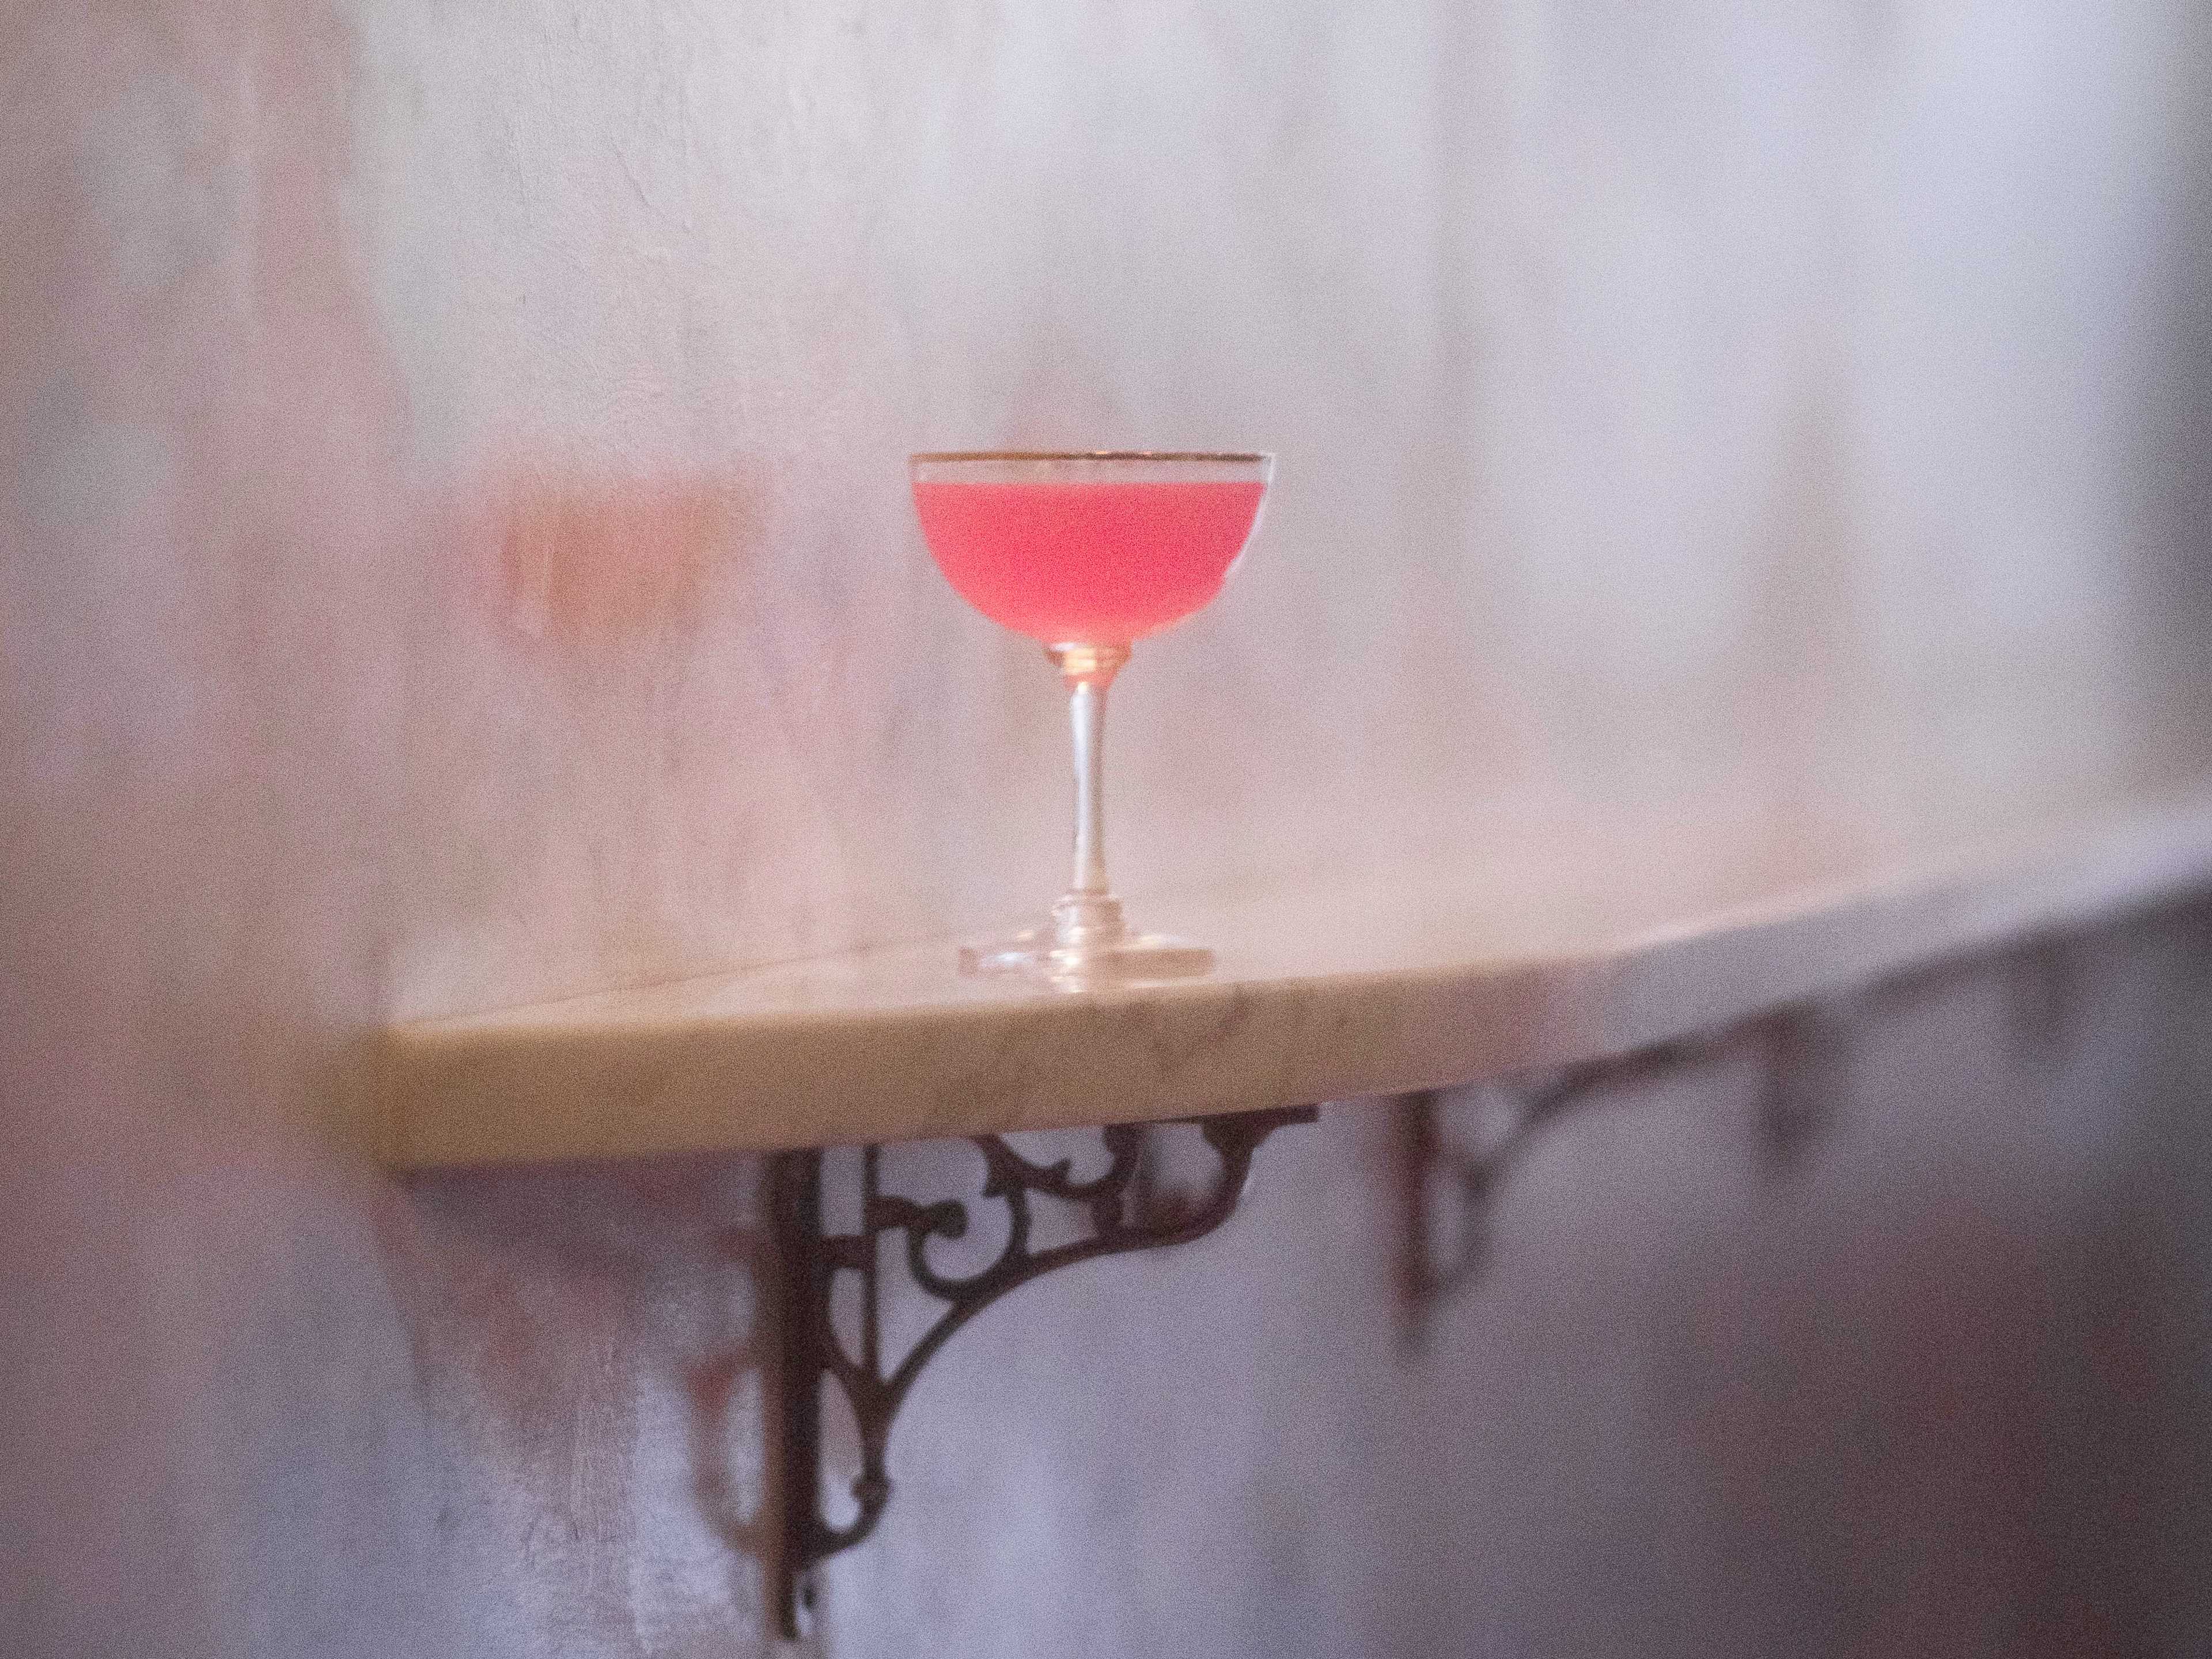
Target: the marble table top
pixel 1588 940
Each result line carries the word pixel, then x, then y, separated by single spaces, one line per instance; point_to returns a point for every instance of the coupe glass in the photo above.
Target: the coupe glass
pixel 1086 554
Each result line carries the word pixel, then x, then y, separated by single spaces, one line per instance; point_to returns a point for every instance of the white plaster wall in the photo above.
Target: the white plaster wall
pixel 453 550
pixel 1666 398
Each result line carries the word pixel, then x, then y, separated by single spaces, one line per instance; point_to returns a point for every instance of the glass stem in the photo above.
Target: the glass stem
pixel 1086 710
pixel 1087 913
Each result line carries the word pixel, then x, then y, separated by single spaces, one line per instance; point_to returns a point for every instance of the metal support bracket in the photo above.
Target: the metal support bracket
pixel 1799 1048
pixel 1123 1213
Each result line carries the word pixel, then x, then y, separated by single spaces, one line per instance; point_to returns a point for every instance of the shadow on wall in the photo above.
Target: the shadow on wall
pixel 1923 1372
pixel 588 1347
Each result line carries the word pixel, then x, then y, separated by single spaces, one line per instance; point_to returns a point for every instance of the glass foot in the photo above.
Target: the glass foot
pixel 1042 954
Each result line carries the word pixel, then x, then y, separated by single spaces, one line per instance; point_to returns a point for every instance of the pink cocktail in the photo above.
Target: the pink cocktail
pixel 1096 563
pixel 1087 553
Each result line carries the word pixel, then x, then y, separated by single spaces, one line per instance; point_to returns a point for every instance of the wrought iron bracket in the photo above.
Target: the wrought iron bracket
pixel 1799 1048
pixel 1123 1213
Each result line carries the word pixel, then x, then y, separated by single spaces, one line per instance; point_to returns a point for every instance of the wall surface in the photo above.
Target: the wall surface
pixel 454 550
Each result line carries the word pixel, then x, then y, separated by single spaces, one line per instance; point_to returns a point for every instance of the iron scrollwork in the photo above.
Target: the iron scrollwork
pixel 1801 1052
pixel 1124 1213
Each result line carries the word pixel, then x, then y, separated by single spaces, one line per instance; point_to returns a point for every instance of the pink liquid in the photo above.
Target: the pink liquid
pixel 1086 563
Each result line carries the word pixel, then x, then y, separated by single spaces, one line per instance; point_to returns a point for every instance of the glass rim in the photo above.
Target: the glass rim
pixel 1246 458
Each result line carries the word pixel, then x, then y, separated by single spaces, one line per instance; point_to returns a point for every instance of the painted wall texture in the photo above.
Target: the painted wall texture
pixel 453 550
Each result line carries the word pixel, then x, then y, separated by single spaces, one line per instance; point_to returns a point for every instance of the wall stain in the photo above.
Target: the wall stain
pixel 595 568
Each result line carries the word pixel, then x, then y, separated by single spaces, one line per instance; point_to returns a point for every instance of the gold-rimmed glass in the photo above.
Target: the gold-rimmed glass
pixel 1087 553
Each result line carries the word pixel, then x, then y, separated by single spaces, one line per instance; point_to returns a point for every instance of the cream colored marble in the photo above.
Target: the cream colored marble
pixel 1585 943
